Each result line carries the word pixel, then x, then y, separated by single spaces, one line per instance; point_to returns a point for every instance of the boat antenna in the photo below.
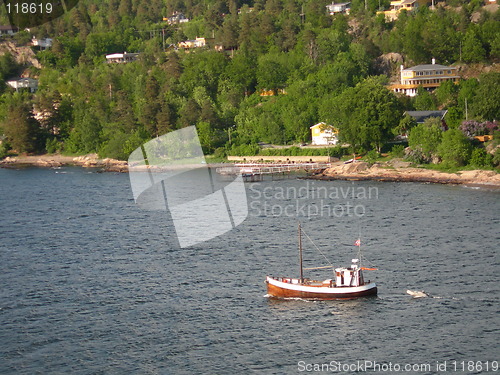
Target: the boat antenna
pixel 359 244
pixel 300 255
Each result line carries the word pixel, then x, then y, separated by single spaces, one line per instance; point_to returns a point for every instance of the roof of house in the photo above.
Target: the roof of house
pixel 319 123
pixel 17 79
pixel 121 55
pixel 338 4
pixel 421 116
pixel 429 67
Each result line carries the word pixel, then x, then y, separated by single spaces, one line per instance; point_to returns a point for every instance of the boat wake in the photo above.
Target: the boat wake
pixel 424 294
pixel 270 296
pixel 417 293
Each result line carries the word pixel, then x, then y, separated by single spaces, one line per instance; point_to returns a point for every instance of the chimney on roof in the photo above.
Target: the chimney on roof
pixel 433 61
pixel 401 67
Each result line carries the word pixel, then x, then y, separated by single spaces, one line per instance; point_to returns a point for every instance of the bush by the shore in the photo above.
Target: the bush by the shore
pixel 254 150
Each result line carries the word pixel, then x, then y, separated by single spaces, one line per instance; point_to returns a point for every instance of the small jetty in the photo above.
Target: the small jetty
pixel 258 171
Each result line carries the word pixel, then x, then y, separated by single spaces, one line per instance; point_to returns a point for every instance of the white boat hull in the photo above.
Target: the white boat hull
pixel 292 288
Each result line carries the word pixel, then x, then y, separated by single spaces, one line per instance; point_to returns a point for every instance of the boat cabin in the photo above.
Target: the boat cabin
pixel 351 276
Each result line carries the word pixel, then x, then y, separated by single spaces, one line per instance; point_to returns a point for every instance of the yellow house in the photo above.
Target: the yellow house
pixel 323 134
pixel 429 76
pixel 398 5
pixel 194 43
pixel 266 92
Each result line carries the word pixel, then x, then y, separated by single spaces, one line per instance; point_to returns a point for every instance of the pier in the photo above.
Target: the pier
pixel 256 171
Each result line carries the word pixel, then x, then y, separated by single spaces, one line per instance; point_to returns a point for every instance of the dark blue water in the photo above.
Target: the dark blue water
pixel 91 284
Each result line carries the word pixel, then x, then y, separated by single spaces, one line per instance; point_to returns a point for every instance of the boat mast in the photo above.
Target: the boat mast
pixel 300 255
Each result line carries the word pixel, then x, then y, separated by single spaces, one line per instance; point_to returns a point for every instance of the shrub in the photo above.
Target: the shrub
pixel 371 156
pixel 220 152
pixel 481 159
pixel 455 149
pixel 4 149
pixel 425 138
pixel 398 151
pixel 496 158
pixel 336 151
pixel 244 150
pixel 472 127
pixel 113 148
pixel 52 145
pixel 416 156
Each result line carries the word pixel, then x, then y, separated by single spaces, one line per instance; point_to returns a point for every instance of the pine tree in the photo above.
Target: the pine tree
pixel 21 128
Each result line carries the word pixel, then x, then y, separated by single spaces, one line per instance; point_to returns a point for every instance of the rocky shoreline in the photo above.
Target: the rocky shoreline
pixel 56 161
pixel 393 171
pixel 402 172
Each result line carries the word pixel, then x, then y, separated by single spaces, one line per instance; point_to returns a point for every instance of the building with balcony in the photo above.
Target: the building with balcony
pixel 429 76
pixel 27 83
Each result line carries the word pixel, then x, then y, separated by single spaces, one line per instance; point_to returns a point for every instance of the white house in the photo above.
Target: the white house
pixel 176 18
pixel 8 30
pixel 121 58
pixel 324 135
pixel 338 8
pixel 42 43
pixel 23 83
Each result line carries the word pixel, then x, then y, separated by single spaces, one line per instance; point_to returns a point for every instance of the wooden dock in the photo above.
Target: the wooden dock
pixel 256 172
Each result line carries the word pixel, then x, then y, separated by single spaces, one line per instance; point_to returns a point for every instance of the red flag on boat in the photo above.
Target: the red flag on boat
pixel 357 243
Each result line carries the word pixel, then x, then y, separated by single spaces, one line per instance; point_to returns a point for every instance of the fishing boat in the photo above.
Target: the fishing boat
pixel 348 282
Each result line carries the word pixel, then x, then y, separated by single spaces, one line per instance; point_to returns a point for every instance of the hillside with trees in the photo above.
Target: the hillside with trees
pixel 317 67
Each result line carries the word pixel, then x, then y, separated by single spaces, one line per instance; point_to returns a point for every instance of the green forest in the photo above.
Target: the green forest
pixel 320 67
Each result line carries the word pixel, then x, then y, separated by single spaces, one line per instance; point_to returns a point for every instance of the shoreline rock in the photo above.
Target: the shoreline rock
pixel 361 171
pixel 57 161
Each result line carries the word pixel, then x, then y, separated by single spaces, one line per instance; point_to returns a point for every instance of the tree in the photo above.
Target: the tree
pixel 165 119
pixel 331 43
pixel 405 125
pixel 366 114
pixel 486 103
pixel 424 139
pixel 86 135
pixel 411 37
pixel 472 49
pixel 210 138
pixel 124 112
pixel 202 69
pixel 21 128
pixel 440 37
pixel 271 75
pixel 310 45
pixel 446 93
pixel 455 148
pixel 189 113
pixel 230 33
pixel 8 66
pixel 423 101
